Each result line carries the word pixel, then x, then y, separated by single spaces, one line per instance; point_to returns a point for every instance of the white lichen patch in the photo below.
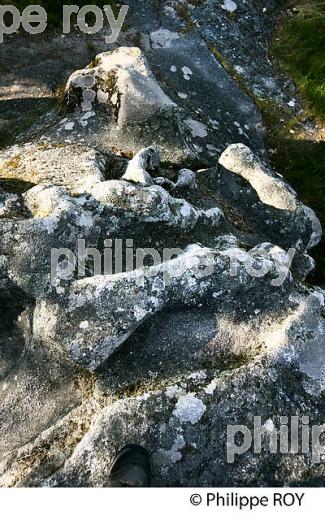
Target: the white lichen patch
pixel 211 148
pixel 214 123
pixel 162 38
pixel 84 325
pixel 174 391
pixel 102 96
pixel 210 388
pixel 198 129
pixel 139 313
pixel 229 6
pixel 167 458
pixel 69 126
pixel 189 408
pixel 187 73
pixel 87 116
pixel 198 376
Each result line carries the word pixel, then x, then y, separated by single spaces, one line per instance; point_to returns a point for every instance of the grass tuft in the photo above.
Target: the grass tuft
pixel 300 48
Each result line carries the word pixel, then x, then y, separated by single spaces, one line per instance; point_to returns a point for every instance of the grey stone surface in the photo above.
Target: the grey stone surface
pixel 154 144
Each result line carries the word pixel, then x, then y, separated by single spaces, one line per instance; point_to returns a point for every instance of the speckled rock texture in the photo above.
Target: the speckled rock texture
pixel 153 265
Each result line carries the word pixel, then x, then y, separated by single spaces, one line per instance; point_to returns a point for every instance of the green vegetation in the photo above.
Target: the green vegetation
pixel 299 47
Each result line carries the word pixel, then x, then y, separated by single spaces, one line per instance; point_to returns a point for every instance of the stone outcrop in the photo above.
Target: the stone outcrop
pixel 152 275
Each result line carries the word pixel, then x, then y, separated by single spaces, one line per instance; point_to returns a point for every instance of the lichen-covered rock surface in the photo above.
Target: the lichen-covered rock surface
pixel 153 265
